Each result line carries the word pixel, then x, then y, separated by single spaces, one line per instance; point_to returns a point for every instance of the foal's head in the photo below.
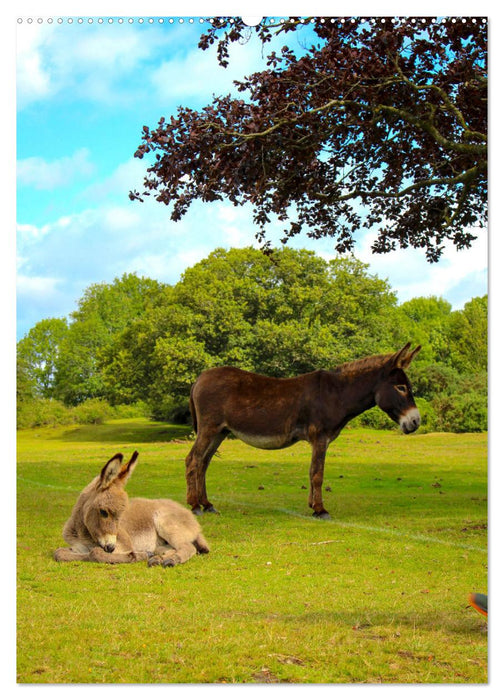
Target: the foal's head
pixel 107 500
pixel 393 394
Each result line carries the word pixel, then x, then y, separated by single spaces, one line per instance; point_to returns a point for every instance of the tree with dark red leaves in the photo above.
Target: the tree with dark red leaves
pixel 382 124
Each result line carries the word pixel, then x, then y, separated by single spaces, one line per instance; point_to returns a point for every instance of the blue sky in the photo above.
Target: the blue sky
pixel 84 91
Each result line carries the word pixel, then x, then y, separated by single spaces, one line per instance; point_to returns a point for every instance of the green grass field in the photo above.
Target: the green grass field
pixel 376 594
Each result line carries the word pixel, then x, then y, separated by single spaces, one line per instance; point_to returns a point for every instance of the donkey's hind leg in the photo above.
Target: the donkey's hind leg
pixel 201 544
pixel 181 554
pixel 168 556
pixel 160 554
pixel 172 555
pixel 197 461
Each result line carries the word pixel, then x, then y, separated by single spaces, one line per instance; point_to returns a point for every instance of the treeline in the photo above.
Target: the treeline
pixel 136 345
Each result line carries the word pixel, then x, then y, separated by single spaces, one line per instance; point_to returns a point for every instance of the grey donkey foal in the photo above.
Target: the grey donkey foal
pixel 107 526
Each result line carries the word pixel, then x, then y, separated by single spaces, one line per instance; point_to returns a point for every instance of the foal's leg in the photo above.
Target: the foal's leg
pixel 197 462
pixel 180 555
pixel 67 554
pixel 201 544
pixel 177 552
pixel 161 553
pixel 97 554
pixel 116 557
pixel 319 448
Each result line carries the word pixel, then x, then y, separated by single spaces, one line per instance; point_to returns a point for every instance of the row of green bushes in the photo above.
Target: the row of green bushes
pixel 456 413
pixel 282 315
pixel 446 413
pixel 52 413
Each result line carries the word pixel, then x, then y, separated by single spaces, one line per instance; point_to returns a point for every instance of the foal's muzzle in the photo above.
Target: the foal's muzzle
pixel 108 543
pixel 410 420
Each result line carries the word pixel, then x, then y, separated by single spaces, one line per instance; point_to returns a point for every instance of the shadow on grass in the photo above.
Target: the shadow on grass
pixel 372 624
pixel 127 432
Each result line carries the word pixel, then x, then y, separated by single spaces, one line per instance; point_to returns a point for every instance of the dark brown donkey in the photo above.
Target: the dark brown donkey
pixel 275 413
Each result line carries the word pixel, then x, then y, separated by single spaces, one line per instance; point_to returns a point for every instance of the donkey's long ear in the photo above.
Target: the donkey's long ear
pixel 397 359
pixel 403 358
pixel 127 469
pixel 412 355
pixel 110 471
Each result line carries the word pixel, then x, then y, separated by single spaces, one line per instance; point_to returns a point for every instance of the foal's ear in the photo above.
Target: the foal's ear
pixel 115 470
pixel 403 358
pixel 110 471
pixel 127 469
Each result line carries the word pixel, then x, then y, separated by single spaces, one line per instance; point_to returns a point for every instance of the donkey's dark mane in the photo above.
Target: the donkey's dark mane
pixel 365 364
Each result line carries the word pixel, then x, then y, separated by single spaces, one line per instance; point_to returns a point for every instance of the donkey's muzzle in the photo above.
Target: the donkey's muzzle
pixel 109 547
pixel 410 420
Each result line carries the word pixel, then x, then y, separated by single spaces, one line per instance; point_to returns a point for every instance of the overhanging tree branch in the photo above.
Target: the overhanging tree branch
pixel 392 117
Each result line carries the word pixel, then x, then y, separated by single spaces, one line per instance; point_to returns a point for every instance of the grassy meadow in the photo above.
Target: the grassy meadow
pixel 377 594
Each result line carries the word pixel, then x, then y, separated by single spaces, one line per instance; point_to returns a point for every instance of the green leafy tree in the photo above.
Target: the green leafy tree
pixel 78 374
pixel 129 368
pixel 468 330
pixel 427 323
pixel 25 384
pixel 179 362
pixel 104 311
pixel 38 354
pixel 291 347
pixel 116 304
pixel 282 314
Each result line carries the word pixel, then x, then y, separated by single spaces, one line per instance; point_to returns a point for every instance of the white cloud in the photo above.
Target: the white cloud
pixel 38 286
pixel 411 275
pixel 198 73
pixel 121 219
pixel 127 176
pixel 84 61
pixel 33 80
pixel 27 232
pixel 44 175
pixel 236 226
pixel 166 266
pixel 116 65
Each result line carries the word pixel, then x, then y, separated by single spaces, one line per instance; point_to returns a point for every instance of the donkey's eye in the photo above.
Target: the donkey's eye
pixel 402 388
pixel 103 513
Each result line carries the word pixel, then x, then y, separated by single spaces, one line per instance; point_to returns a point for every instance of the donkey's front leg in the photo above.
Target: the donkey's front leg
pixel 319 449
pixel 125 557
pixel 68 554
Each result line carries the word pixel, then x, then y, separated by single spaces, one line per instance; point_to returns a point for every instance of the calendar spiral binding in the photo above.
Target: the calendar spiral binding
pixel 202 20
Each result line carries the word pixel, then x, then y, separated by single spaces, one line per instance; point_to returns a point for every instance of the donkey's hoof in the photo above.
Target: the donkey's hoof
pixel 62 554
pixel 323 515
pixel 197 511
pixel 154 560
pixel 171 561
pixel 210 509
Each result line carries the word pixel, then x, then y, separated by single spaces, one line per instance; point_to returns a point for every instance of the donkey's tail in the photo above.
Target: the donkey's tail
pixel 193 411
